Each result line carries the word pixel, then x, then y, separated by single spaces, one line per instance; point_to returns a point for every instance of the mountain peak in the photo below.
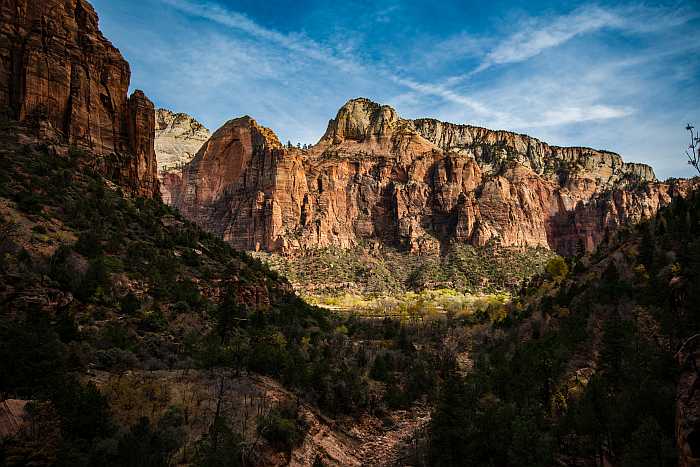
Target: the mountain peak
pixel 178 137
pixel 259 135
pixel 361 119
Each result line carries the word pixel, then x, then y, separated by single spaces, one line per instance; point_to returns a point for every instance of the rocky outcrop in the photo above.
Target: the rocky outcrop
pixel 225 179
pixel 60 74
pixel 178 139
pixel 13 417
pixel 375 178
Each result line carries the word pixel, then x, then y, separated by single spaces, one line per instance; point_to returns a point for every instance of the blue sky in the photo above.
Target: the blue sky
pixel 623 76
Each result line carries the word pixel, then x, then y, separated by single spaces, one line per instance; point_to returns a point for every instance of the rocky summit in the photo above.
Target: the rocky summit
pixel 61 75
pixel 377 179
pixel 178 138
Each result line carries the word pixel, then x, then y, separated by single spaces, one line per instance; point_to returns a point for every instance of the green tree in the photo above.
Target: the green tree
pixel 380 368
pixel 219 447
pixel 557 268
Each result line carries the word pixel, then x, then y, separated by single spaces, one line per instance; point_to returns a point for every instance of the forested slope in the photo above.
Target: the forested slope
pixel 590 367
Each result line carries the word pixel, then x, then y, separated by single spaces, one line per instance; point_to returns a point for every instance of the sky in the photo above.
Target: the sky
pixel 621 76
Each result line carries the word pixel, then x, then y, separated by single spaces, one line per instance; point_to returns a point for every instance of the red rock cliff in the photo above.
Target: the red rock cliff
pixel 57 71
pixel 375 178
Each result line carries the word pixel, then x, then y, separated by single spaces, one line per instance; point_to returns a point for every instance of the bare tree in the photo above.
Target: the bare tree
pixel 693 151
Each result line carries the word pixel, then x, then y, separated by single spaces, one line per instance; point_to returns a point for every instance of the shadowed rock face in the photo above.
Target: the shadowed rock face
pixel 375 178
pixel 58 72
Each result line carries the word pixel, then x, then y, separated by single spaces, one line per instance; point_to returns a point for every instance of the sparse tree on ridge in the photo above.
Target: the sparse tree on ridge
pixel 693 151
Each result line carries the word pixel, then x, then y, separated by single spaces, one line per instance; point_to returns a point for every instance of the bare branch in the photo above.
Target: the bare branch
pixel 693 151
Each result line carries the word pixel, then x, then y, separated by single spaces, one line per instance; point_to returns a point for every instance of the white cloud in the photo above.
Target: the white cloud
pixel 567 115
pixel 235 20
pixel 537 35
pixel 448 95
pixel 534 36
pixel 316 51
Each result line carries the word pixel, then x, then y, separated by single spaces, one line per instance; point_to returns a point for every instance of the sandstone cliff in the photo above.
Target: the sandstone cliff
pixel 377 179
pixel 178 139
pixel 60 74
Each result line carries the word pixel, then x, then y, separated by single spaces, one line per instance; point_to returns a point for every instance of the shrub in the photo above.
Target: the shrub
pixel 280 428
pixel 89 244
pixel 130 304
pixel 29 202
pixel 557 268
pixel 153 321
pixel 219 447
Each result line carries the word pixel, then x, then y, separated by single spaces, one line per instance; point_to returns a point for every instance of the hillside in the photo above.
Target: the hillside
pixel 597 365
pixel 127 331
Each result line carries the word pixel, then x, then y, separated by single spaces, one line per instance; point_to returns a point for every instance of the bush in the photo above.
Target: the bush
pixel 29 202
pixel 280 428
pixel 89 244
pixel 116 359
pixel 219 447
pixel 557 268
pixel 130 304
pixel 153 321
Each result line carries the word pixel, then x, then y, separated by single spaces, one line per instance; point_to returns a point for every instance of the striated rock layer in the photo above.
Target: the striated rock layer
pixel 60 74
pixel 178 139
pixel 377 179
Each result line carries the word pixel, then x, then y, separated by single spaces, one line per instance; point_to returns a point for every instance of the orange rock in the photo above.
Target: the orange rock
pixel 59 72
pixel 417 185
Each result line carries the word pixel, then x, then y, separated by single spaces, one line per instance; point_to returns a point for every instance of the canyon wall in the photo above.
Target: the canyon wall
pixel 59 74
pixel 178 139
pixel 376 179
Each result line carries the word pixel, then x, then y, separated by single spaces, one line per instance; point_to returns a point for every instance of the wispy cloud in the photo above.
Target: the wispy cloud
pixel 529 41
pixel 235 20
pixel 533 36
pixel 450 96
pixel 319 52
pixel 610 75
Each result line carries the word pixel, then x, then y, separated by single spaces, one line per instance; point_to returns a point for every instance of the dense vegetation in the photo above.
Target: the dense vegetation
pixel 93 280
pixel 584 372
pixel 333 271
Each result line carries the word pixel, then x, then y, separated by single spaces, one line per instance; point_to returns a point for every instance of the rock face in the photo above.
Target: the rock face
pixel 178 139
pixel 375 178
pixel 59 73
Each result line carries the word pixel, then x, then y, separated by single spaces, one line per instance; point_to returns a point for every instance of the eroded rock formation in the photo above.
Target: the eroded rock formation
pixel 59 73
pixel 375 178
pixel 178 139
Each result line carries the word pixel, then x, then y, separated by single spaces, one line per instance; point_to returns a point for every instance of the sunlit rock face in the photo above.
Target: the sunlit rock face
pixel 377 179
pixel 178 139
pixel 59 73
